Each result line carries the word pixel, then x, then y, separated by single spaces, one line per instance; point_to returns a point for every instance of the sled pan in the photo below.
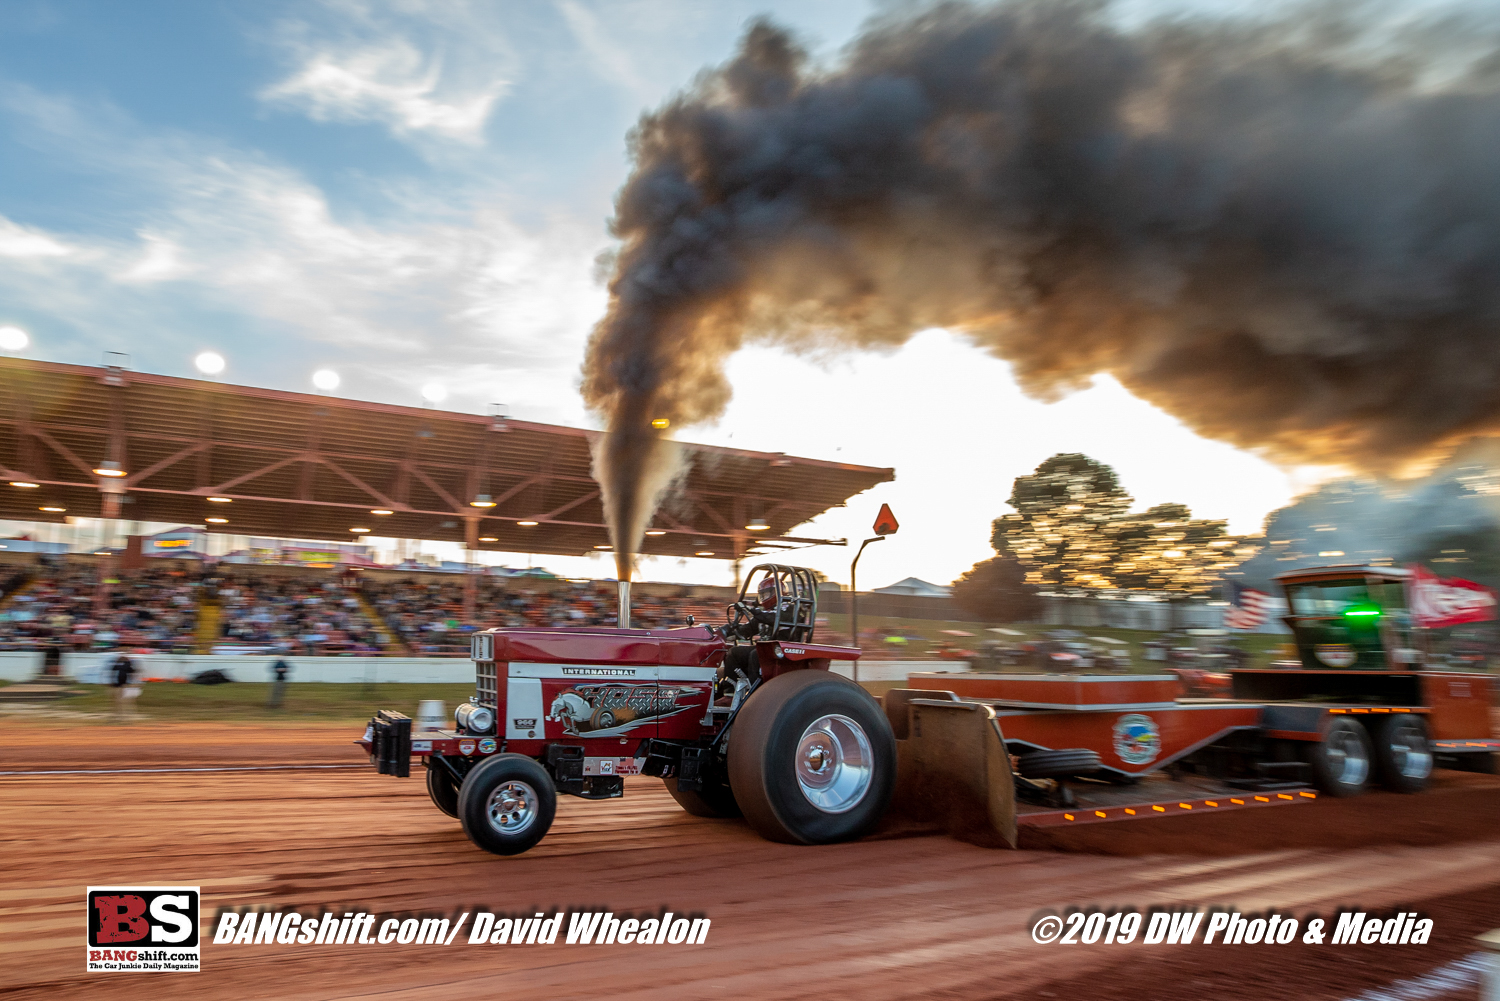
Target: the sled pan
pixel 952 768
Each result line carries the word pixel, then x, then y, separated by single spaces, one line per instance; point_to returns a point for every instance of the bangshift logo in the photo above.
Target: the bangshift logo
pixel 142 929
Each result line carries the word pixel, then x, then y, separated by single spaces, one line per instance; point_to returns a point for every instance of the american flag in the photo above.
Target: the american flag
pixel 1247 606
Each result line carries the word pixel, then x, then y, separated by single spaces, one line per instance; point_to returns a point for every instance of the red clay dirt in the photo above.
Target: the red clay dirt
pixel 888 917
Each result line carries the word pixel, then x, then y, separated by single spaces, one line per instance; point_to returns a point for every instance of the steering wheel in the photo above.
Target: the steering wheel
pixel 741 615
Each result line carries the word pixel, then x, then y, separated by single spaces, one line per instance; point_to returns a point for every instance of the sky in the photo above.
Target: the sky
pixel 417 192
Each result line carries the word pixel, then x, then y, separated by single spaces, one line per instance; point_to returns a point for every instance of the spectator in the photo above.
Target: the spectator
pixel 121 672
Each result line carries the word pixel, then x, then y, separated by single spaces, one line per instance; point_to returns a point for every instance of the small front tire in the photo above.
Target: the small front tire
pixel 507 804
pixel 441 789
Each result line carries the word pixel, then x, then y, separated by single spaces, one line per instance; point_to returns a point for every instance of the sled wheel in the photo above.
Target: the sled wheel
pixel 1403 754
pixel 441 788
pixel 811 759
pixel 1058 764
pixel 1341 760
pixel 714 801
pixel 507 803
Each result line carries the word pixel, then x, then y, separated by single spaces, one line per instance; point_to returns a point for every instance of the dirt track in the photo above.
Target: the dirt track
pixel 912 917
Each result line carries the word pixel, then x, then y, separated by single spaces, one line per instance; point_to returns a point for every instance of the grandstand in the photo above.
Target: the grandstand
pixel 111 443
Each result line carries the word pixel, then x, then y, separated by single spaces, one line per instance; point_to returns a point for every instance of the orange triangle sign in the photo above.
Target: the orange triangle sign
pixel 885 522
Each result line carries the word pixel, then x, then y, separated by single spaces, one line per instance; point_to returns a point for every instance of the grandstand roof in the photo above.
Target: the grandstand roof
pixel 295 465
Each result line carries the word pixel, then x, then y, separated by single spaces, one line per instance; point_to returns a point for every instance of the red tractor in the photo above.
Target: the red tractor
pixel 747 719
pixel 739 719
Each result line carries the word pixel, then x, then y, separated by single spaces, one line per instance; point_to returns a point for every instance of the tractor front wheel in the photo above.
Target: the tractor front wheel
pixel 507 803
pixel 1341 760
pixel 441 788
pixel 811 759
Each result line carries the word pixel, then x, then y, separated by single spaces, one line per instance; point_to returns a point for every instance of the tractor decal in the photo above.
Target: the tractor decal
pixel 608 709
pixel 1136 738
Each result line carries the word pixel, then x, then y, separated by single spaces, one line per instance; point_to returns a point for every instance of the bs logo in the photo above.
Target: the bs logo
pixel 150 916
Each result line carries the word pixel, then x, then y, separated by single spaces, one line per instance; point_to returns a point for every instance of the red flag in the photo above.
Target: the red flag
pixel 1448 601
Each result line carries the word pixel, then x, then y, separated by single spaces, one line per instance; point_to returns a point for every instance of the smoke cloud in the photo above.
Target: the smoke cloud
pixel 1285 232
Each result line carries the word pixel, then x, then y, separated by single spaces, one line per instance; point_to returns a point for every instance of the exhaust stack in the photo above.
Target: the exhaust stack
pixel 624 620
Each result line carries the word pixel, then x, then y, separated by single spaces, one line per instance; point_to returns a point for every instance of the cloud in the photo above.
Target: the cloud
pixel 24 241
pixel 425 284
pixel 424 69
pixel 394 84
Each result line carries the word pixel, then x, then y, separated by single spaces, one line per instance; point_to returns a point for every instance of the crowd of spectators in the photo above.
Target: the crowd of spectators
pixel 428 615
pixel 60 606
pixel 293 615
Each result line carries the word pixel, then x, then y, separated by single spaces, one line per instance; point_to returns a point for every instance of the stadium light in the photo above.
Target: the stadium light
pixel 757 525
pixel 326 379
pixel 110 468
pixel 13 339
pixel 482 500
pixel 381 510
pixel 209 362
pixel 27 484
pixel 527 524
pixel 217 521
pixel 52 508
pixel 221 500
pixel 359 531
pixel 489 538
pixel 656 531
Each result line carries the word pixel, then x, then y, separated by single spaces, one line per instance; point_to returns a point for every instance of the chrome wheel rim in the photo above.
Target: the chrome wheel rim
pixel 512 807
pixel 835 764
pixel 1347 760
pixel 1410 752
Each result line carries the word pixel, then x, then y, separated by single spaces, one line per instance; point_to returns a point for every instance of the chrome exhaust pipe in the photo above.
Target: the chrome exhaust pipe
pixel 624 620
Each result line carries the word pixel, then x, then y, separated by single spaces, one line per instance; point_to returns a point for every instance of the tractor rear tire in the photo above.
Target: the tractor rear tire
pixel 1058 764
pixel 441 788
pixel 1342 760
pixel 507 803
pixel 811 759
pixel 1403 753
pixel 714 801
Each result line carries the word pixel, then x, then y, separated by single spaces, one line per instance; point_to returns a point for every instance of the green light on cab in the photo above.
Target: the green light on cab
pixel 1362 612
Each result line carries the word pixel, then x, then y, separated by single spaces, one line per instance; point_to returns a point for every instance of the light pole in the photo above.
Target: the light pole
pixel 885 524
pixel 854 599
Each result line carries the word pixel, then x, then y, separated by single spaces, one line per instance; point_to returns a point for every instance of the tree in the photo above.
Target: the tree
pixel 1058 529
pixel 1072 530
pixel 1166 549
pixel 996 590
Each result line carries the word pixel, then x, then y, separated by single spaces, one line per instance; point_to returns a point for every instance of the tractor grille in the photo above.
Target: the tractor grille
pixel 482 652
pixel 484 683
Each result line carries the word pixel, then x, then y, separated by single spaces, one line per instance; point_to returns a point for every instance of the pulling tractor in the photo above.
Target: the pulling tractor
pixel 748 719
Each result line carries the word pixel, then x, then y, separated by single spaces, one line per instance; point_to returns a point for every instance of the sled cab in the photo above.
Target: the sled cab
pixel 1351 618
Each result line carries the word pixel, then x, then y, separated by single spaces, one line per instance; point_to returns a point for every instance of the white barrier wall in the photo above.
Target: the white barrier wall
pixel 93 668
pixel 896 670
pixel 20 665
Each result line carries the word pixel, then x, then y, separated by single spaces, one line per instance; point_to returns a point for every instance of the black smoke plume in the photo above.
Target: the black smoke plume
pixel 1285 231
